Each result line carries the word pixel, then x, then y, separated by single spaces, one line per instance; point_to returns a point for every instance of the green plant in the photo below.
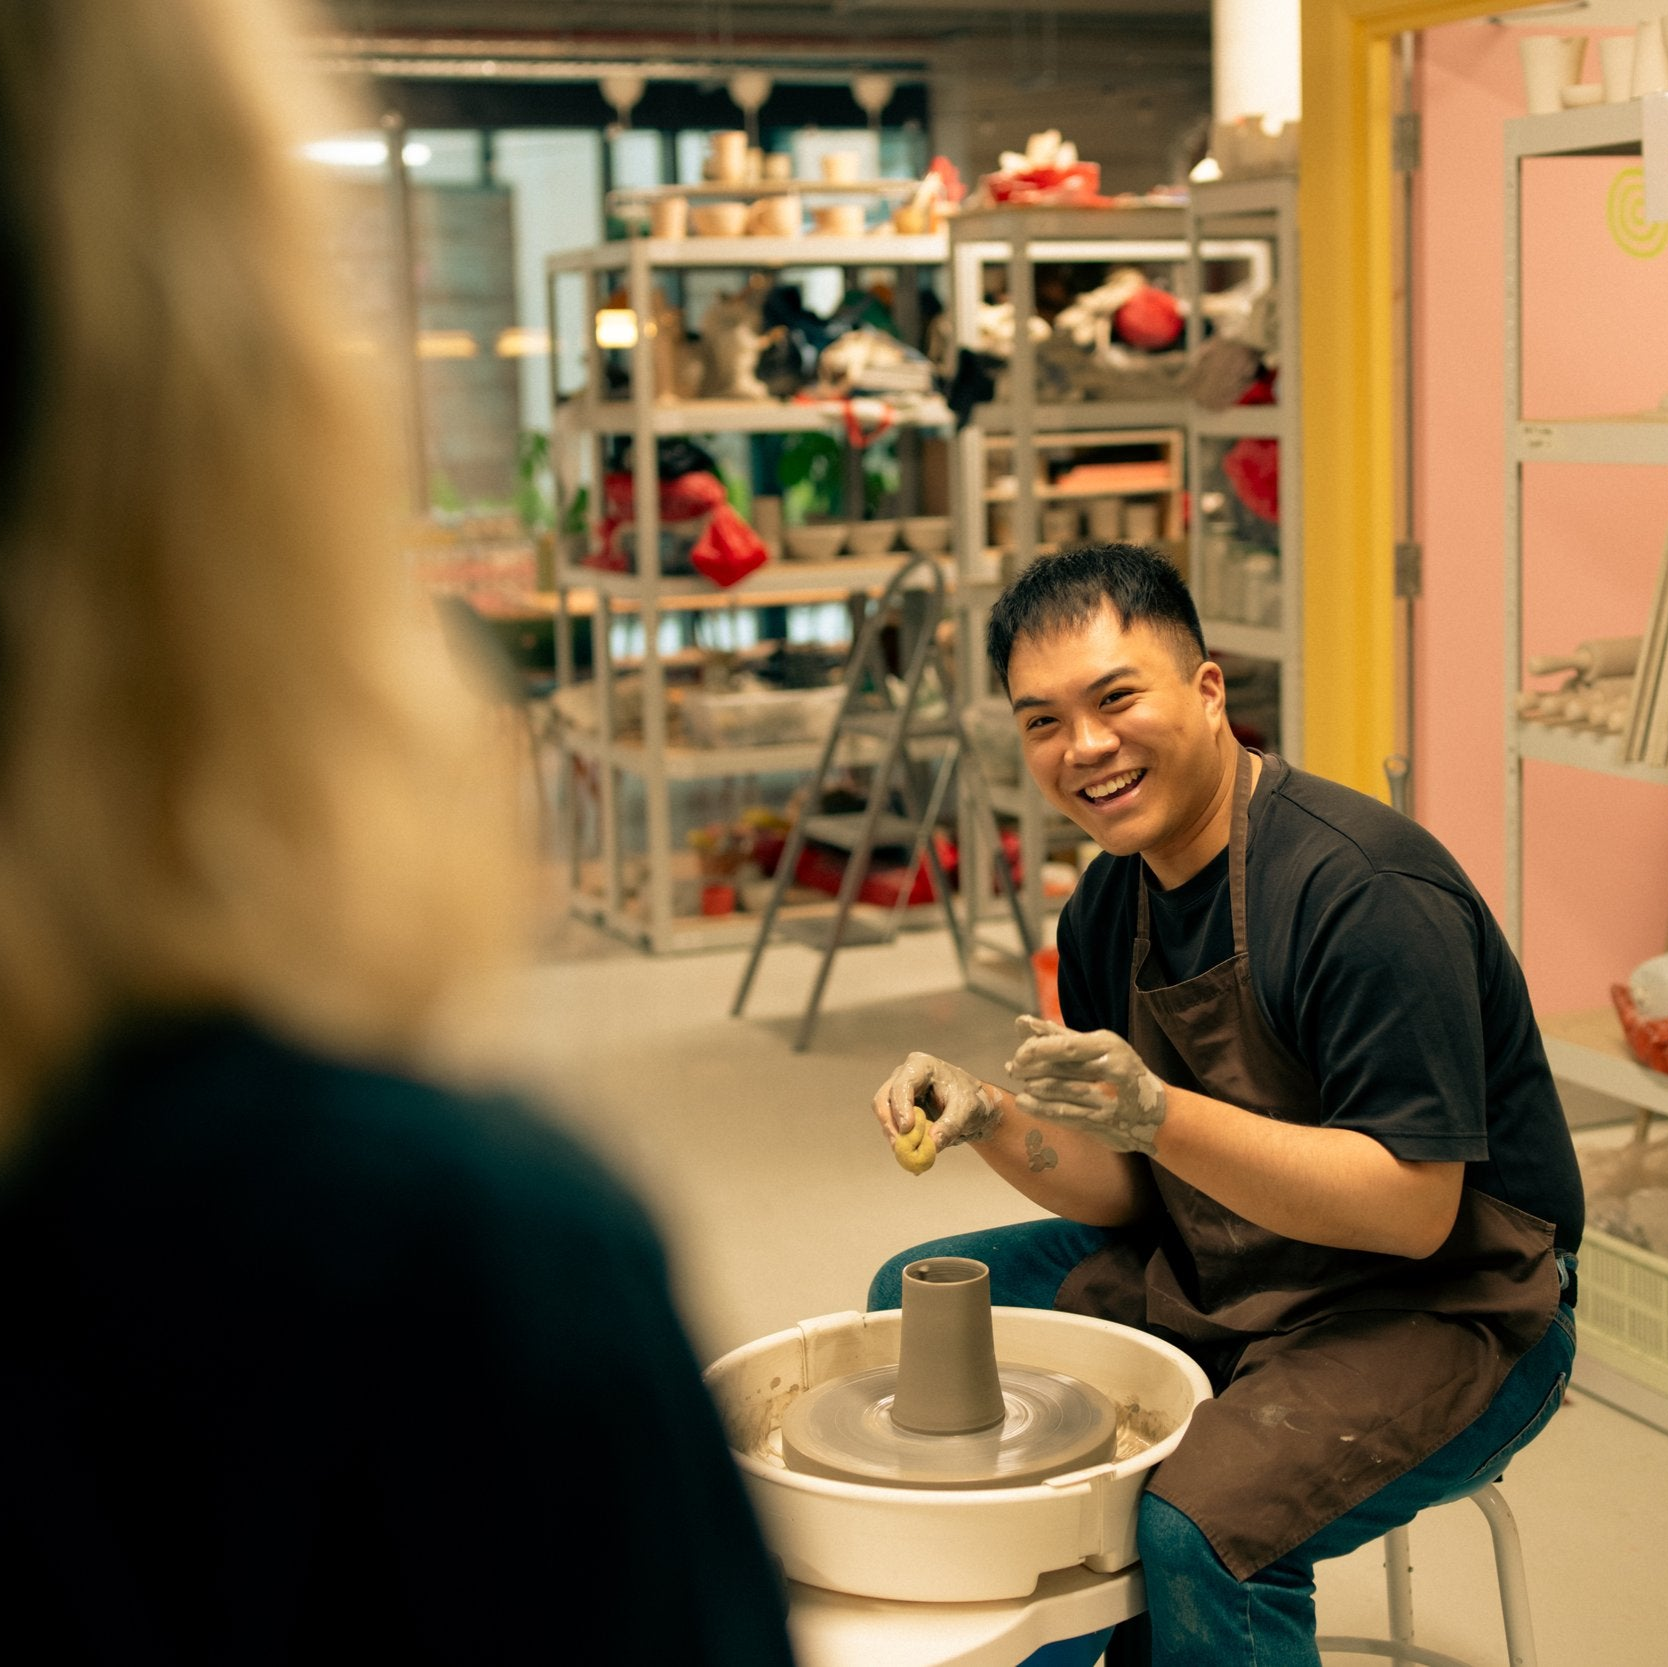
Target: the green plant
pixel 882 477
pixel 535 490
pixel 809 473
pixel 574 518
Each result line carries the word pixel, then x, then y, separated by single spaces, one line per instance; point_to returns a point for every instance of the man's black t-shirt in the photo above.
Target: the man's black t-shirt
pixel 1376 962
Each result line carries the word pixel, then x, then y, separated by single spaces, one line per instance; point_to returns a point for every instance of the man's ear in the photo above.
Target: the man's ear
pixel 1212 687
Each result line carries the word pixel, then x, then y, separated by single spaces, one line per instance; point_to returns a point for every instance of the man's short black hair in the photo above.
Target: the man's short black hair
pixel 1073 585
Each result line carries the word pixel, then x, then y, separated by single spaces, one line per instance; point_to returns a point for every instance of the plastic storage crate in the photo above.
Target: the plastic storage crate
pixel 1622 1315
pixel 762 717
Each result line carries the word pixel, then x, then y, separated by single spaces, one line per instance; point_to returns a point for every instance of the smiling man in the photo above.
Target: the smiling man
pixel 1299 1121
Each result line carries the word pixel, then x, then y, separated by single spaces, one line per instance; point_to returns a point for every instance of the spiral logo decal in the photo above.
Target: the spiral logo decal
pixel 1624 210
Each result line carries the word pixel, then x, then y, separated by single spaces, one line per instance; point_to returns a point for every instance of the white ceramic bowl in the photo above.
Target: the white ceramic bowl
pixel 821 541
pixel 871 538
pixel 927 535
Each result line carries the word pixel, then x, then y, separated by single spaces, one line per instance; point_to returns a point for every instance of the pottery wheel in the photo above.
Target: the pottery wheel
pixel 1053 1423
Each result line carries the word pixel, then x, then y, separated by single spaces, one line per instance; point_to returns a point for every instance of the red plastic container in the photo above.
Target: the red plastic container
pixel 718 900
pixel 1045 968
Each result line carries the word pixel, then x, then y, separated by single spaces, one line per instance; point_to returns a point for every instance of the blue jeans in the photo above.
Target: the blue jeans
pixel 1201 1616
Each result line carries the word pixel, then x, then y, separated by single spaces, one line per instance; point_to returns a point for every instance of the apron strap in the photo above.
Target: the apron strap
pixel 1238 831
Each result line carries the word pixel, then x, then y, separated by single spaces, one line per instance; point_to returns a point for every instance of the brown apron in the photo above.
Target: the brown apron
pixel 1335 1371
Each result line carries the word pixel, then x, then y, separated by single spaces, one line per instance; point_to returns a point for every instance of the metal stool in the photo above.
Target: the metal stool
pixel 1398 1581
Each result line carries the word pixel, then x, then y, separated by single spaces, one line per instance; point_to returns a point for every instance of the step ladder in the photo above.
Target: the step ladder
pixel 920 753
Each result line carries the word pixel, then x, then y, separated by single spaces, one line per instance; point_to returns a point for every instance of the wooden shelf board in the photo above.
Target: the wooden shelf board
pixel 740 416
pixel 1588 1048
pixel 1582 749
pixel 809 249
pixel 1090 423
pixel 1636 438
pixel 779 583
pixel 1240 422
pixel 1044 494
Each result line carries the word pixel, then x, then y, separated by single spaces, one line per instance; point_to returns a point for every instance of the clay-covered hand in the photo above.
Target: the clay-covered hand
pixel 1091 1080
pixel 928 1104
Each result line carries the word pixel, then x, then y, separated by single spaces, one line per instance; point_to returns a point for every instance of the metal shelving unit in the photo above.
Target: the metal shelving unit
pixel 1261 211
pixel 1602 130
pixel 1021 239
pixel 1624 1290
pixel 636 897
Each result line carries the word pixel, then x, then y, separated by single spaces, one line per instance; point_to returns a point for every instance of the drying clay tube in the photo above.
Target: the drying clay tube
pixel 1546 705
pixel 1591 704
pixel 1595 658
pixel 1541 706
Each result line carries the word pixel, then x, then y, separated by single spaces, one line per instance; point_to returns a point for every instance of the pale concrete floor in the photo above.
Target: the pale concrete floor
pixel 778 1198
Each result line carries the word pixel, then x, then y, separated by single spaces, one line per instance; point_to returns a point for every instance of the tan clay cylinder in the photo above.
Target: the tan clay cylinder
pixel 947 1379
pixel 1595 658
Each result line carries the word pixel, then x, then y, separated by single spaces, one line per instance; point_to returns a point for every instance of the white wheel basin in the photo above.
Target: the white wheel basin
pixel 953 1546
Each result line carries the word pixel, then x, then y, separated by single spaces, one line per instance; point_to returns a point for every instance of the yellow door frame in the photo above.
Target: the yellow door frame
pixel 1348 394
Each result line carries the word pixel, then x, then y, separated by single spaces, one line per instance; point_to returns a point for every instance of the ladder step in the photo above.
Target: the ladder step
pixel 884 725
pixel 843 830
pixel 881 724
pixel 860 929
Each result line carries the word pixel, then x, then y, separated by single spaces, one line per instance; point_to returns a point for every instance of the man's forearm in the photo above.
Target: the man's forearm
pixel 1066 1172
pixel 1324 1186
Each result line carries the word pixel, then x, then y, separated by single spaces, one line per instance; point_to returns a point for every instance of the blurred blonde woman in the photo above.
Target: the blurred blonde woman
pixel 304 1356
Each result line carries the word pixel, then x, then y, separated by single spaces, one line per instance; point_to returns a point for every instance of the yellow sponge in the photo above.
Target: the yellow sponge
pixel 915 1150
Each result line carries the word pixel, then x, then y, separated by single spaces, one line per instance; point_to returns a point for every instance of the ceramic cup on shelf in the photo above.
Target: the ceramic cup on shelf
pixel 718 219
pixel 1060 524
pixel 669 217
pixel 1106 520
pixel 1650 59
pixel 1550 64
pixel 839 167
pixel 1142 521
pixel 839 219
pixel 1616 67
pixel 778 164
pixel 777 216
pixel 729 157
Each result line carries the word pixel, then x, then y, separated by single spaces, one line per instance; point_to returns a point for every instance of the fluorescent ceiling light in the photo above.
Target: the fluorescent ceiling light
pixel 519 342
pixel 363 153
pixel 446 344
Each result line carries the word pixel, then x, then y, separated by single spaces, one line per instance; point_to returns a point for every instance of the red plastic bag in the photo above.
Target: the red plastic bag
pixel 1151 319
pixel 1076 186
pixel 680 500
pixel 729 549
pixel 1253 470
pixel 696 498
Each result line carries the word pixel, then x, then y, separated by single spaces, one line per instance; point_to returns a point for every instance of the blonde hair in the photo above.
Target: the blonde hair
pixel 231 768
